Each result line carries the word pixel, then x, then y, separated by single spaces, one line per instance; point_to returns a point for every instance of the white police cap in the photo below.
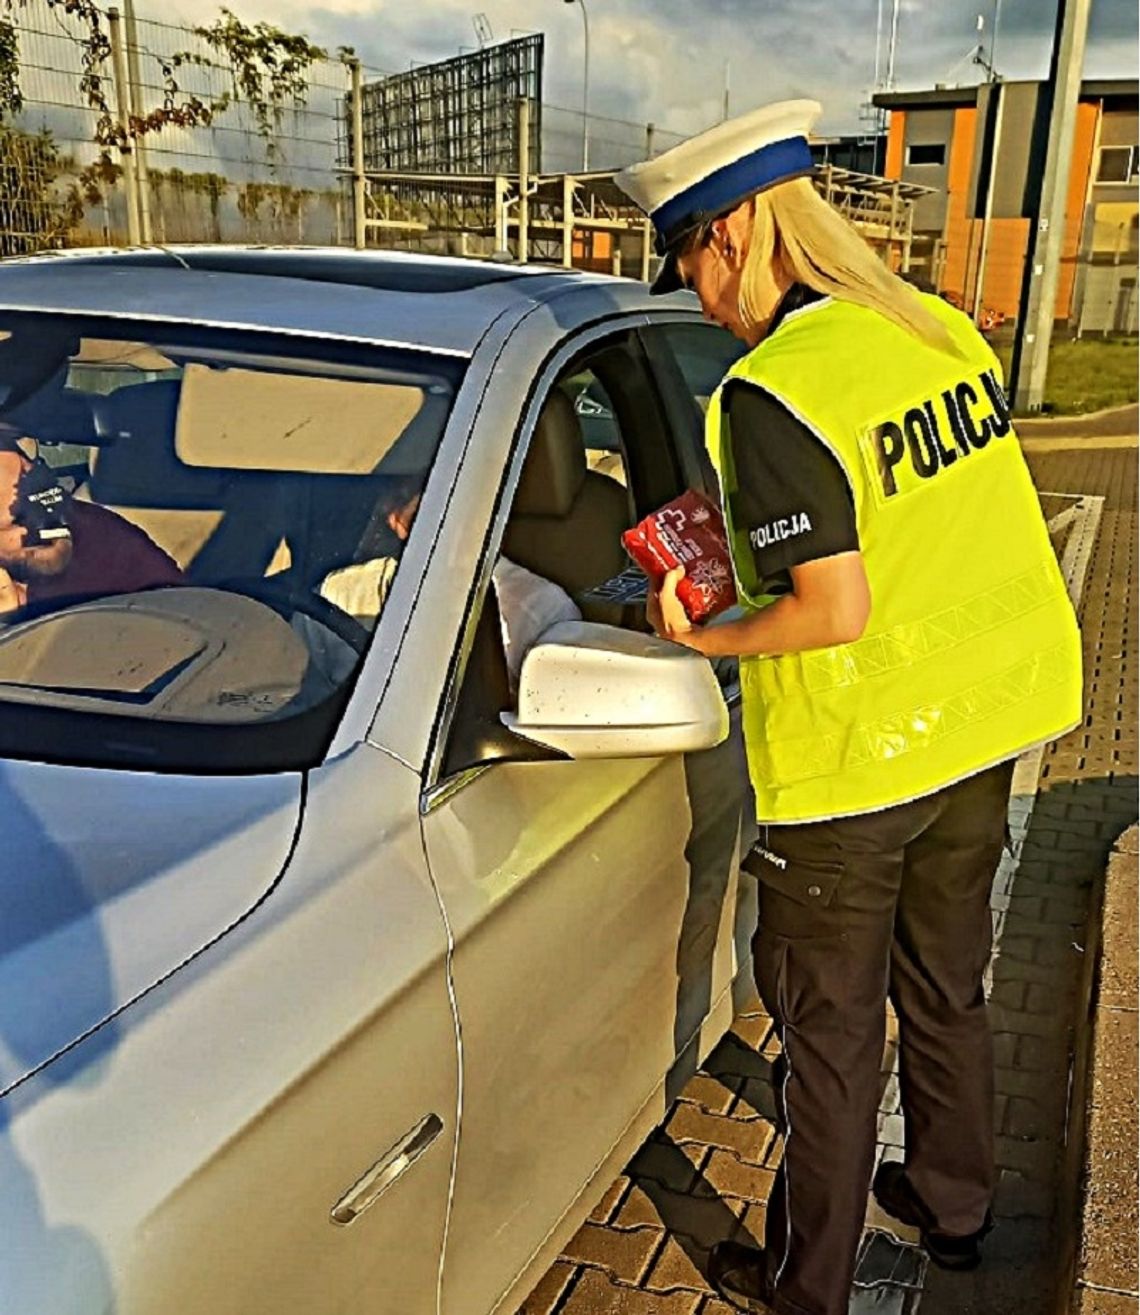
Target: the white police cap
pixel 711 173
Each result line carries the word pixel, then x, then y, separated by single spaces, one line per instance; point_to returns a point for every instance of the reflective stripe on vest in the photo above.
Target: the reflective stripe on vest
pixel 971 652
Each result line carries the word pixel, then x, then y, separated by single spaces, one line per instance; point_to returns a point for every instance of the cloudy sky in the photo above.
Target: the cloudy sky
pixel 664 60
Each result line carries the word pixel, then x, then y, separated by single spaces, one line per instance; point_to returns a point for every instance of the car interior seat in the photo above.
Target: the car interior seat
pixel 567 520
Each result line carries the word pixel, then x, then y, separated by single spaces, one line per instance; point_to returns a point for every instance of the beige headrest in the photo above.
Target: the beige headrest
pixel 555 466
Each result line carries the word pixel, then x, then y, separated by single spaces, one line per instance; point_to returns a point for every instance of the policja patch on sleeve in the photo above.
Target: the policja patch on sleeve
pixel 903 451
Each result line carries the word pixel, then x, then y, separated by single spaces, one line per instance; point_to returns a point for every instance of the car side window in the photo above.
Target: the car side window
pixel 689 360
pixel 703 353
pixel 600 456
pixel 601 435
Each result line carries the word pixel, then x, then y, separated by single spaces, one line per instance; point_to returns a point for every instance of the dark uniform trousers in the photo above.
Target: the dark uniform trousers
pixel 892 903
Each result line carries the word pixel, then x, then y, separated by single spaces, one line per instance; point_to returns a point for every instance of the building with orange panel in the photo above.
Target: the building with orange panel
pixel 981 151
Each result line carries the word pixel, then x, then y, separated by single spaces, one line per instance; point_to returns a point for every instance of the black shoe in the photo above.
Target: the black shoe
pixel 893 1191
pixel 736 1271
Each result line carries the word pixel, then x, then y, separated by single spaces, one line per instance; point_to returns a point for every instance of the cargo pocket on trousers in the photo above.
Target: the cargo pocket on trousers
pixel 798 899
pixel 800 929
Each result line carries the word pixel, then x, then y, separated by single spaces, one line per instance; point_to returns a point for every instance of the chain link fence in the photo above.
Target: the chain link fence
pixel 262 169
pixel 268 172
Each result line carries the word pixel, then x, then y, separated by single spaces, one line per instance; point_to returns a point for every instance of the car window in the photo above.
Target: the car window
pixel 561 553
pixel 200 529
pixel 703 353
pixel 690 359
pixel 573 501
pixel 601 435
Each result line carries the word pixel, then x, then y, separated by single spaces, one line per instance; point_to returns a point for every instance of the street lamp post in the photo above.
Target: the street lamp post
pixel 585 85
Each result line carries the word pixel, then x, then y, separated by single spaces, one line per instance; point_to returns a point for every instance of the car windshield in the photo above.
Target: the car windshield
pixel 199 531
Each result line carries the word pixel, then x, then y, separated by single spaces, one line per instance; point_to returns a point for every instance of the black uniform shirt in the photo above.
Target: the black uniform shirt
pixel 792 495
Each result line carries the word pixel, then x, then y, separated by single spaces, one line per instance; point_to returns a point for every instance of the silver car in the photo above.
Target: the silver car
pixel 370 874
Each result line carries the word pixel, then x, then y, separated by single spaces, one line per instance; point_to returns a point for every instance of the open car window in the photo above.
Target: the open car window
pixel 198 534
pixel 599 456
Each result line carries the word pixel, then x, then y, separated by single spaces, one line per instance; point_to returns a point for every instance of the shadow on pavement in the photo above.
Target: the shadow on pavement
pixel 1037 1010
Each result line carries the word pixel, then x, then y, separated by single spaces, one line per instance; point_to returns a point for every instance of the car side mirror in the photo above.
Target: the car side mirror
pixel 594 691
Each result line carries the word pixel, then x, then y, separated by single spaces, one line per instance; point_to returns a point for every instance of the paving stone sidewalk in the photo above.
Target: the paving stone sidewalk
pixel 707 1173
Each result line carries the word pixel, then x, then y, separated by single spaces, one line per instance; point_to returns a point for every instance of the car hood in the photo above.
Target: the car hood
pixel 110 880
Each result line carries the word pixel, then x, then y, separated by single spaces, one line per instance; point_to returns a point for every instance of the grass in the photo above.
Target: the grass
pixel 1086 374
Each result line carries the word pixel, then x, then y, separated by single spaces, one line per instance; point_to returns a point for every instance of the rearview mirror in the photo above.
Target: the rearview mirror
pixel 593 691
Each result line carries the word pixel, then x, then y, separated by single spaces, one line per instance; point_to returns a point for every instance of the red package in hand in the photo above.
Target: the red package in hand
pixel 687 532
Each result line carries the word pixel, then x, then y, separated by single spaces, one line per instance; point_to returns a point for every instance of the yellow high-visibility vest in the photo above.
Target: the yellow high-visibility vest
pixel 971 653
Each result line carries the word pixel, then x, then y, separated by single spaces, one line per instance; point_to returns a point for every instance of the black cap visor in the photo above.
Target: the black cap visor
pixel 668 276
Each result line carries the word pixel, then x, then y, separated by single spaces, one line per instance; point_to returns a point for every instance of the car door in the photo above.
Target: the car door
pixel 568 887
pixel 232 1140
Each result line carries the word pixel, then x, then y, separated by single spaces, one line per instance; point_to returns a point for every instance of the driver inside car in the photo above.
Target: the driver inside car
pixel 56 550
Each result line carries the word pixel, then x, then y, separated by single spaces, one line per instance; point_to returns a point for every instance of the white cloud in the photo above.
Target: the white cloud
pixel 285 14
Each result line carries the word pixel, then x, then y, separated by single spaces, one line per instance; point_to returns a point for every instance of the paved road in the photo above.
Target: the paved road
pixel 707 1174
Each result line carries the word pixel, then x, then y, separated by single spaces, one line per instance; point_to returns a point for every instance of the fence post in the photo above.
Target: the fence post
pixel 646 248
pixel 135 99
pixel 358 184
pixel 524 177
pixel 126 154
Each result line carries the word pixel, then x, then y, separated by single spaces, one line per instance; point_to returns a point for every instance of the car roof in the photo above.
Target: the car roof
pixel 438 303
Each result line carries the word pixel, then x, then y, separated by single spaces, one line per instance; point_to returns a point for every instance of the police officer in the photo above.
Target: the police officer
pixel 906 633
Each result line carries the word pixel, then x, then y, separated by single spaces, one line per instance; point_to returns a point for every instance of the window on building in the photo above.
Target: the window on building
pixel 1118 164
pixel 926 153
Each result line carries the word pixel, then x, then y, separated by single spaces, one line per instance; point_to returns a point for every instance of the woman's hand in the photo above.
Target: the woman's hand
pixel 830 604
pixel 665 611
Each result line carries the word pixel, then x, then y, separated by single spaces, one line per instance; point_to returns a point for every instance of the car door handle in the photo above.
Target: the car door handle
pixel 367 1190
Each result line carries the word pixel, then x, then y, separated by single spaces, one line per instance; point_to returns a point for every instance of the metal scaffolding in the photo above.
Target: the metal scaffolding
pixel 448 157
pixel 585 220
pixel 882 209
pixel 566 219
pixel 457 116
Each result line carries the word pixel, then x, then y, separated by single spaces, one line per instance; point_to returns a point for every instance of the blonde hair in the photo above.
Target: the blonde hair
pixel 819 248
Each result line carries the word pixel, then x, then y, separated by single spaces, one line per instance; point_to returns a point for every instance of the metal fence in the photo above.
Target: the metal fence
pixel 274 172
pixel 244 176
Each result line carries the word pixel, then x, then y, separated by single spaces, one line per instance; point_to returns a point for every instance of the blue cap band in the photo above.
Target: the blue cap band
pixel 723 188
